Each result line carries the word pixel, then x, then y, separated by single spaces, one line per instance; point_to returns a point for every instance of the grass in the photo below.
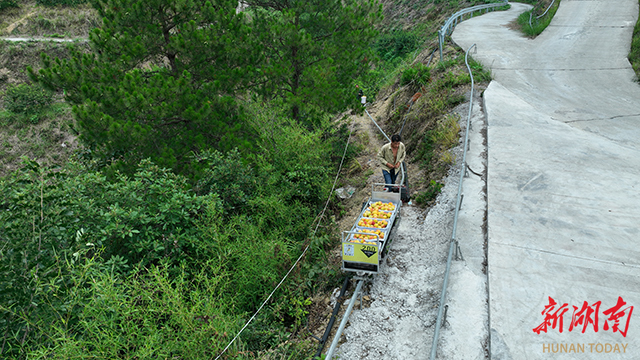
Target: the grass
pixel 429 194
pixel 533 26
pixel 16 56
pixel 43 141
pixel 31 19
pixel 446 133
pixel 634 54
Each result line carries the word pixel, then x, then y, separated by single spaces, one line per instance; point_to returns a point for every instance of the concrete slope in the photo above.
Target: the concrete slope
pixel 563 182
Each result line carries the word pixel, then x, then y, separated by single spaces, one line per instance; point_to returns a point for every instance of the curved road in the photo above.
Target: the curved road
pixel 563 195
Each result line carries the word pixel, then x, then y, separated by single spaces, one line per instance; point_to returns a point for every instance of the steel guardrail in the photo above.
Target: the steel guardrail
pixel 451 23
pixel 543 14
pixel 343 323
pixel 453 245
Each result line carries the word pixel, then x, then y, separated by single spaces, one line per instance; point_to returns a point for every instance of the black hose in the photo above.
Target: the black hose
pixel 336 309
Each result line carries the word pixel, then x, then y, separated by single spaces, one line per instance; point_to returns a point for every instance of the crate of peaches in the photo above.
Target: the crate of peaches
pixel 373 223
pixel 379 210
pixel 367 236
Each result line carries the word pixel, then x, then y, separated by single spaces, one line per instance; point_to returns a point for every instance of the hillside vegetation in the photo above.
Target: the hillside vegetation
pixel 161 179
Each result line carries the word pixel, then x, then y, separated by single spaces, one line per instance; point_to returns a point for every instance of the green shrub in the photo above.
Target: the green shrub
pixel 479 73
pixel 61 2
pixel 430 193
pixel 155 314
pixel 4 4
pixel 395 45
pixel 536 26
pixel 28 99
pixel 228 177
pixel 419 74
pixel 634 53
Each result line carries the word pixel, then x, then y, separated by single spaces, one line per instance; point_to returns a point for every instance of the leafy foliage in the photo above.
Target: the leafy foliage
pixel 155 314
pixel 4 4
pixel 28 99
pixel 531 25
pixel 418 74
pixel 56 220
pixel 158 82
pixel 430 193
pixel 60 2
pixel 49 217
pixel 396 44
pixel 634 53
pixel 314 51
pixel 228 176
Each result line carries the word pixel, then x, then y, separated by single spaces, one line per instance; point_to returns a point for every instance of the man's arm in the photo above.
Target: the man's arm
pixel 402 153
pixel 381 158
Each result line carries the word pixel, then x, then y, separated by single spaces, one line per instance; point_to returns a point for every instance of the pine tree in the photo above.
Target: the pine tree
pixel 314 50
pixel 158 81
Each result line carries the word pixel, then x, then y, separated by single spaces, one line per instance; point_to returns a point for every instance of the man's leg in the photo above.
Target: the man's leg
pixel 394 176
pixel 387 177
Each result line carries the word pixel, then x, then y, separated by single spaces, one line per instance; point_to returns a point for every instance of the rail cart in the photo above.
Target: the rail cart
pixel 365 244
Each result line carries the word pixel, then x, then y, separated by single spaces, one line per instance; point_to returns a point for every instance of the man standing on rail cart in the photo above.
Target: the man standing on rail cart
pixel 390 156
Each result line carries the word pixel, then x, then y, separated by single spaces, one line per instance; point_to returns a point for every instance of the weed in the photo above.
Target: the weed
pixel 396 44
pixel 363 139
pixel 451 80
pixel 531 25
pixel 4 4
pixel 447 157
pixel 454 100
pixel 418 74
pixel 445 64
pixel 634 53
pixel 430 193
pixel 445 135
pixel 27 99
pixel 44 23
pixel 479 73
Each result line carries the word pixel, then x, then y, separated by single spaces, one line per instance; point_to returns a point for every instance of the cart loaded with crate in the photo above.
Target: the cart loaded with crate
pixel 365 245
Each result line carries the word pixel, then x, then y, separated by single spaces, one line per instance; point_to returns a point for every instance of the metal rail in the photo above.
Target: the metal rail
pixel 343 323
pixel 543 14
pixel 451 23
pixel 453 245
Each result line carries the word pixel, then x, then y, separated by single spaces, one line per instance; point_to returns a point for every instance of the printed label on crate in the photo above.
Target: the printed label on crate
pixel 360 253
pixel 348 250
pixel 370 251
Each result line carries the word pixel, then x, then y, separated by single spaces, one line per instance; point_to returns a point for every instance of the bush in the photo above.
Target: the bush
pixel 4 4
pixel 634 53
pixel 27 99
pixel 419 74
pixel 228 177
pixel 61 2
pixel 395 45
pixel 430 193
pixel 536 26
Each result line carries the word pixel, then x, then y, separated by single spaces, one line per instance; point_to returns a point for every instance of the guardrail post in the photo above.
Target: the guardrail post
pixel 440 40
pixel 453 244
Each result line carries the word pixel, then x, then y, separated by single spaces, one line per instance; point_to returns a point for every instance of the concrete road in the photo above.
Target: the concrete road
pixel 563 198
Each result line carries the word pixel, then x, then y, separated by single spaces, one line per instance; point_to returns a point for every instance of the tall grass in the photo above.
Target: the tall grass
pixel 537 25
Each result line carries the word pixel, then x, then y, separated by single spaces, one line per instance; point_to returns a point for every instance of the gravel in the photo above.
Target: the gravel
pixel 399 321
